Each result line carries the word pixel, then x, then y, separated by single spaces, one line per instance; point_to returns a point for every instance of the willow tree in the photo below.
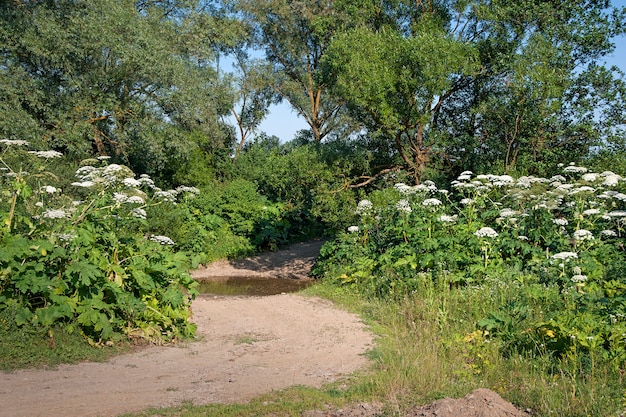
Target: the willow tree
pixel 396 77
pixel 486 80
pixel 124 78
pixel 295 36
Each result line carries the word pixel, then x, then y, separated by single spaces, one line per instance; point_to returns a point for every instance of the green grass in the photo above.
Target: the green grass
pixel 427 348
pixel 28 347
pixel 289 402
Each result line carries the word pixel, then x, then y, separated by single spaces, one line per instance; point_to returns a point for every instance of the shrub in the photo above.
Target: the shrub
pixel 559 241
pixel 84 261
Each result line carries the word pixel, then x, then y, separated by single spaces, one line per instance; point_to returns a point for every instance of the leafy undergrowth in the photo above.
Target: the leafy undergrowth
pixel 516 285
pixel 80 258
pixel 30 347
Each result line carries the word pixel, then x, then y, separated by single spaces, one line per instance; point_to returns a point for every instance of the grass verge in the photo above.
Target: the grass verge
pixel 29 347
pixel 428 347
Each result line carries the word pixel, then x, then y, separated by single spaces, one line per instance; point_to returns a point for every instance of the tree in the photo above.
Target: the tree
pixel 541 96
pixel 396 77
pixel 254 96
pixel 122 78
pixel 484 80
pixel 295 35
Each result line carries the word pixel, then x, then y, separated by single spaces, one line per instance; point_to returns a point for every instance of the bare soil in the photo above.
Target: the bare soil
pixel 246 346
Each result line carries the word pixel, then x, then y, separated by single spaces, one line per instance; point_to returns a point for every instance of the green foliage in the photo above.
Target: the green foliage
pixel 33 346
pixel 113 77
pixel 310 180
pixel 85 265
pixel 548 252
pixel 296 36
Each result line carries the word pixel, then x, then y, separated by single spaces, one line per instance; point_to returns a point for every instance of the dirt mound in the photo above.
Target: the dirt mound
pixel 479 403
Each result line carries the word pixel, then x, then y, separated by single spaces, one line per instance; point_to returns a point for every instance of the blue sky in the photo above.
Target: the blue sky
pixel 284 123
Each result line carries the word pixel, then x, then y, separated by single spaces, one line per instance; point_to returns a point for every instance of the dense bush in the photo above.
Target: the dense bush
pixel 556 243
pixel 82 259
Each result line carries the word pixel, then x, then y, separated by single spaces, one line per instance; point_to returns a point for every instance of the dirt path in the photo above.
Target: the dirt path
pixel 248 346
pixel 293 262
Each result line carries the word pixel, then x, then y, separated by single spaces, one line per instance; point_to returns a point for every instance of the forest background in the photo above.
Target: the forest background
pixel 130 151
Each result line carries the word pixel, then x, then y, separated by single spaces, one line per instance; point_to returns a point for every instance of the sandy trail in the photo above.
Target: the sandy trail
pixel 247 346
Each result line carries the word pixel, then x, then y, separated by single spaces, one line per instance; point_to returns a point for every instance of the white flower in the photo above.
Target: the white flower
pixel 444 218
pixel 55 214
pixel 168 196
pixel 431 186
pixel 502 180
pixel 403 188
pixel 111 168
pixel 611 180
pixel 609 233
pixel 135 199
pixel 583 234
pixel 131 182
pixel 66 237
pixel 464 177
pixel 560 222
pixel 353 229
pixel 591 212
pixel 574 169
pixel 364 207
pixel 138 213
pixel 16 142
pixel 619 196
pixel 558 178
pixel 486 232
pixel 617 213
pixel 466 201
pixel 114 173
pixel 404 206
pixel 418 188
pixel 103 157
pixel 186 189
pixel 578 278
pixel 466 173
pixel 565 256
pixel 431 202
pixel 144 179
pixel 39 204
pixel 583 189
pixel 86 172
pixel 590 177
pixel 84 184
pixel 120 198
pixel 523 238
pixel 507 212
pixel 46 154
pixel 50 189
pixel 163 240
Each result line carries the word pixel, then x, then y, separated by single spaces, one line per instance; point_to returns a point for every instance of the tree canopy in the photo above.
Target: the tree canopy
pixel 442 85
pixel 122 78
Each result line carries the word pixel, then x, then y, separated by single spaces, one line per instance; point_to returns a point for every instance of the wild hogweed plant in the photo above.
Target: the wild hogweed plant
pixel 78 258
pixel 557 244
